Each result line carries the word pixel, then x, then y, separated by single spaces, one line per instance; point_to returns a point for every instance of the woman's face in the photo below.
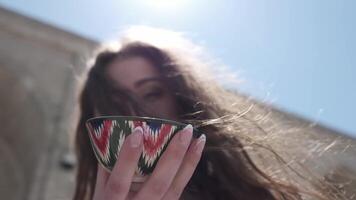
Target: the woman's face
pixel 140 78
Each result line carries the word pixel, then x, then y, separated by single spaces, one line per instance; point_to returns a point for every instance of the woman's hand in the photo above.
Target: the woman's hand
pixel 167 181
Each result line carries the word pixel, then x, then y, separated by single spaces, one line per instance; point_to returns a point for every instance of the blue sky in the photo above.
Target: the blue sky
pixel 301 55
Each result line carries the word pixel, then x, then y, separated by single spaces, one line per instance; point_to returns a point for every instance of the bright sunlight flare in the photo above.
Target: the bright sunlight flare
pixel 166 4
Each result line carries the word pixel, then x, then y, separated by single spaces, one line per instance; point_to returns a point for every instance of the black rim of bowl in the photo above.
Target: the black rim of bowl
pixel 137 118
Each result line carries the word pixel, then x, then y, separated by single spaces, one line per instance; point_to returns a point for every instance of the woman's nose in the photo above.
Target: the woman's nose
pixel 138 108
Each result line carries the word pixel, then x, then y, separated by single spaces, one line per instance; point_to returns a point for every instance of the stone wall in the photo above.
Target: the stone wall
pixel 38 64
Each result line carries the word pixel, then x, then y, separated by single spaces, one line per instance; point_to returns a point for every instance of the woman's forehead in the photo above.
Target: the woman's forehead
pixel 130 72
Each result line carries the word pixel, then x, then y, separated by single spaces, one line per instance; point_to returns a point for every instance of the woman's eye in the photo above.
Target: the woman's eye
pixel 151 96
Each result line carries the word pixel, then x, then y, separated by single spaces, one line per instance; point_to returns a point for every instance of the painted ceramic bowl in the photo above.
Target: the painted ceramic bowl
pixel 107 134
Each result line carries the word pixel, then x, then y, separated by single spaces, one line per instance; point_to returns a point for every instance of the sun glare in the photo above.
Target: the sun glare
pixel 166 4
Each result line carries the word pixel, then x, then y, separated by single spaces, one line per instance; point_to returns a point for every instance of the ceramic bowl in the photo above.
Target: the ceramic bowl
pixel 108 133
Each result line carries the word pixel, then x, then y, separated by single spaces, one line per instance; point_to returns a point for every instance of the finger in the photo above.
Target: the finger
pixel 118 185
pixel 158 183
pixel 187 168
pixel 101 179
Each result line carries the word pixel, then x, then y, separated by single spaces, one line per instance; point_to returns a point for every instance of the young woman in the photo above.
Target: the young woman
pixel 144 78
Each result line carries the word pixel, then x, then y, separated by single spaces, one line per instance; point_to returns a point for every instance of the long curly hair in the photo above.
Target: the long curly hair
pixel 229 167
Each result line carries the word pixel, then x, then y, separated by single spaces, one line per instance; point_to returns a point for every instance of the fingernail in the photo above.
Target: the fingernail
pixel 199 146
pixel 136 137
pixel 186 134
